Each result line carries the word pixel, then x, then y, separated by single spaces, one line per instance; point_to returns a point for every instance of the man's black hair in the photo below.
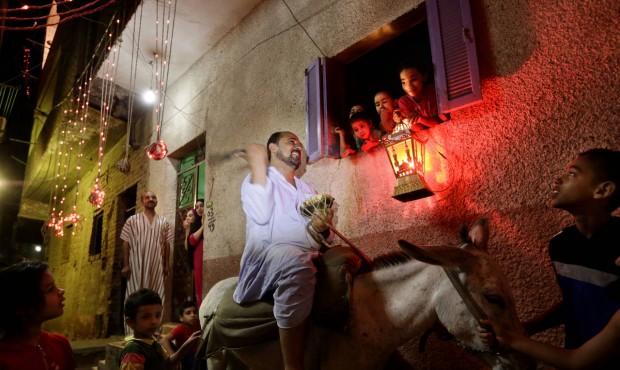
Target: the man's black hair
pixel 606 167
pixel 273 139
pixel 142 297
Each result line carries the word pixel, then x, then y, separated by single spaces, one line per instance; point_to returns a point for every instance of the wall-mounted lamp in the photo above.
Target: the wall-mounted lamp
pixel 406 154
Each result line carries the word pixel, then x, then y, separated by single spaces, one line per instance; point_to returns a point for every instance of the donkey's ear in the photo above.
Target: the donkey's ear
pixel 479 234
pixel 446 256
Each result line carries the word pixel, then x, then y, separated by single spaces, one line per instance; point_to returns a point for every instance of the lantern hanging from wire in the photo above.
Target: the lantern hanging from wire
pixel 406 155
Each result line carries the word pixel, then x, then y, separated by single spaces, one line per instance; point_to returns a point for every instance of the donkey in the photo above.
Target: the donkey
pixel 397 300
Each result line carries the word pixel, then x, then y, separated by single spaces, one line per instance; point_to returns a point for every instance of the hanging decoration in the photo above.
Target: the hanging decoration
pixel 74 130
pixel 164 31
pixel 97 194
pixel 157 151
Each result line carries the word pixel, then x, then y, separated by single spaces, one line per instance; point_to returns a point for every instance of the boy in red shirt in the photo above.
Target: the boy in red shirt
pixel 188 316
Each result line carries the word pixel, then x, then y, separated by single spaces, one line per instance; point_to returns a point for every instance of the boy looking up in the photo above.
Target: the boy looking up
pixel 142 351
pixel 188 316
pixel 585 258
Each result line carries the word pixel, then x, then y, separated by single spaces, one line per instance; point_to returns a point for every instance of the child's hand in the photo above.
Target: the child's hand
pixel 194 338
pixel 339 131
pixel 493 333
pixel 487 336
pixel 398 116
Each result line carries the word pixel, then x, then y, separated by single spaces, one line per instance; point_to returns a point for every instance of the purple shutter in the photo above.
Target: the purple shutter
pixel 451 33
pixel 314 119
pixel 324 94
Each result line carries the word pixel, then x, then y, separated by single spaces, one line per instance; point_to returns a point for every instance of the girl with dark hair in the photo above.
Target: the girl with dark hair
pixel 32 298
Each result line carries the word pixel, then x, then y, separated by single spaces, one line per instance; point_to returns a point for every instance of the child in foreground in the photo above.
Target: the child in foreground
pixel 31 297
pixel 142 351
pixel 586 260
pixel 188 316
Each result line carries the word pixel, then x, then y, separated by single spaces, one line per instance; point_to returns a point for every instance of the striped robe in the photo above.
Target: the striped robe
pixel 146 242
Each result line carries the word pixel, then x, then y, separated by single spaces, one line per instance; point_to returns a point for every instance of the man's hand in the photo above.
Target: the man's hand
pixel 321 222
pixel 126 272
pixel 257 158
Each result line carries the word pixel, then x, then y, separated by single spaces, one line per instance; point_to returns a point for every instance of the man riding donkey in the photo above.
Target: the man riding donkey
pixel 281 246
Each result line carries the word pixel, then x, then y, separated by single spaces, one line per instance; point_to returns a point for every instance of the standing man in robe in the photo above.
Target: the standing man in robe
pixel 147 241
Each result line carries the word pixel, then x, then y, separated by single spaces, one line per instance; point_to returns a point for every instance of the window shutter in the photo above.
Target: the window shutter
pixel 453 46
pixel 324 94
pixel 314 119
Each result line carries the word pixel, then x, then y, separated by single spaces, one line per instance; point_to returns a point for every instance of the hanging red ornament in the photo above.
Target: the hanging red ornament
pixel 59 228
pixel 96 197
pixel 72 217
pixel 157 150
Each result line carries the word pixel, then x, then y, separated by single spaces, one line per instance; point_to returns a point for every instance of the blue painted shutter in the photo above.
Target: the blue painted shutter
pixel 324 104
pixel 457 79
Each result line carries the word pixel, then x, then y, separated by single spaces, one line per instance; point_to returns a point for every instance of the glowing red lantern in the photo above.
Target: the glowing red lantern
pixel 157 151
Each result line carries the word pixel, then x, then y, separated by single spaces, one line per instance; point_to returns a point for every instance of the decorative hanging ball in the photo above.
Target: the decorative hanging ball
pixel 157 150
pixel 59 228
pixel 123 165
pixel 72 217
pixel 52 222
pixel 96 197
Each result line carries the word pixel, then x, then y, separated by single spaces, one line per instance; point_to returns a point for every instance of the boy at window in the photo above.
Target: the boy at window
pixel 385 105
pixel 419 104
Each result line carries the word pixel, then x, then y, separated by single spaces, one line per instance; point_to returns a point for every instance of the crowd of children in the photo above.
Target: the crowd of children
pixel 417 108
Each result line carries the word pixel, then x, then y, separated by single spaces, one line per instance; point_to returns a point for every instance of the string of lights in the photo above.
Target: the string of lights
pixel 158 150
pixel 64 16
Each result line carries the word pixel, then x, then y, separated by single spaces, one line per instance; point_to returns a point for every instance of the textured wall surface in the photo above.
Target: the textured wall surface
pixel 550 89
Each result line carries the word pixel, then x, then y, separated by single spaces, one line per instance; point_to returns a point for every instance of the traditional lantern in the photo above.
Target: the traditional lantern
pixel 157 151
pixel 406 154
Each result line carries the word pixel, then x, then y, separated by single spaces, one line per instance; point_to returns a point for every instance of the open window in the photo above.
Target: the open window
pixel 437 35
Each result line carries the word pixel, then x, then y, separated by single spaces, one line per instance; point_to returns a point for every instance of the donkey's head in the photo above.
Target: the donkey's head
pixel 489 294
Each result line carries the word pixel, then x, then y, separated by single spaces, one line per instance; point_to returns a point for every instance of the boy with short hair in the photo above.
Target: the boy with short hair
pixel 585 258
pixel 142 351
pixel 419 104
pixel 385 105
pixel 188 316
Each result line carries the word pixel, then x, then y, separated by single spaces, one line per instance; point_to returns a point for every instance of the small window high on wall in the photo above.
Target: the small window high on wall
pixel 436 37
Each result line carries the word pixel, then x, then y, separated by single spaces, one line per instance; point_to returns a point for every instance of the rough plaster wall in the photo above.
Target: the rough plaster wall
pixel 550 86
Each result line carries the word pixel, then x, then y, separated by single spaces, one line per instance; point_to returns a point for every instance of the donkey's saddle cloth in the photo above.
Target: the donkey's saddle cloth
pixel 241 325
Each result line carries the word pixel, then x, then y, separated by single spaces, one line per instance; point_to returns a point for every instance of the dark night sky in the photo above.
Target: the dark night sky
pixel 13 154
